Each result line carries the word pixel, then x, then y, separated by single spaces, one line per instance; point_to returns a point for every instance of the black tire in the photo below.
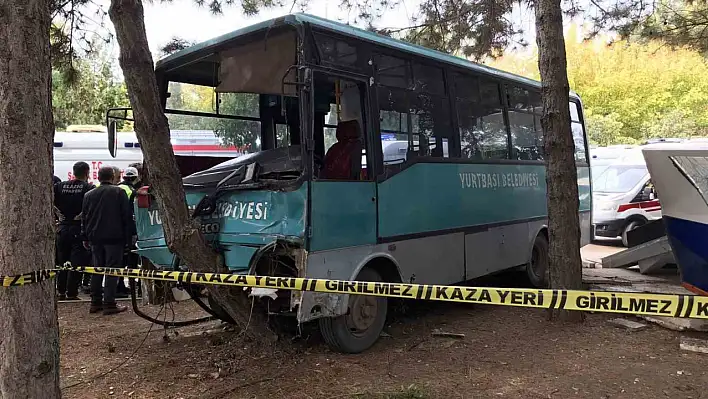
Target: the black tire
pixel 341 334
pixel 537 268
pixel 633 224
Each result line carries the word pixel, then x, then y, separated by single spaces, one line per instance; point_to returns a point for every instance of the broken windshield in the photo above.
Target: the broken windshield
pixel 254 128
pixel 199 110
pixel 284 163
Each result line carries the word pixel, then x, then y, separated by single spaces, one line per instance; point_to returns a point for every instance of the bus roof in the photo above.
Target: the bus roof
pixel 204 49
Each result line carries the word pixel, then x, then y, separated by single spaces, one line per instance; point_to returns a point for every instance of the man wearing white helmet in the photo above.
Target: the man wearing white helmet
pixel 130 182
pixel 130 178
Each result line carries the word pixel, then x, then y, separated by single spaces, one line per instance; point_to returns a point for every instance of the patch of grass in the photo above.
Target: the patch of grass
pixel 410 392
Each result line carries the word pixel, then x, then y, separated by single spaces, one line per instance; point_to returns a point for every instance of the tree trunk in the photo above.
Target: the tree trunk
pixel 29 334
pixel 182 233
pixel 565 265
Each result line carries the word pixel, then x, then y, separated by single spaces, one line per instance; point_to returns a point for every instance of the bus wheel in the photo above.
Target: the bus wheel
pixel 537 268
pixel 359 329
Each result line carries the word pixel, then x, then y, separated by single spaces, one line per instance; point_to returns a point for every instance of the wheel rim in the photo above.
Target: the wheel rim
pixel 363 311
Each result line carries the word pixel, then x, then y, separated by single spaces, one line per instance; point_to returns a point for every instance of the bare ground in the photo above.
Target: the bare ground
pixel 506 352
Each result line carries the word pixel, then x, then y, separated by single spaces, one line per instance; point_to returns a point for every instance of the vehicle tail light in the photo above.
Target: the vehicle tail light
pixel 143 197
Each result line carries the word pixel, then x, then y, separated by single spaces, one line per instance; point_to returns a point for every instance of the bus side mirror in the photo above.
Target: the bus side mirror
pixel 112 139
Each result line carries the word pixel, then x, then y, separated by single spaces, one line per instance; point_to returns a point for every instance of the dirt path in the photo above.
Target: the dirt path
pixel 507 352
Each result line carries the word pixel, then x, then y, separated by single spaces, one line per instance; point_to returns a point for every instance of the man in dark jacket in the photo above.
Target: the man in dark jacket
pixel 107 225
pixel 68 200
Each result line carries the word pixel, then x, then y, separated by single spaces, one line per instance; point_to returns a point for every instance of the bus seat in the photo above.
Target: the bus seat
pixel 343 159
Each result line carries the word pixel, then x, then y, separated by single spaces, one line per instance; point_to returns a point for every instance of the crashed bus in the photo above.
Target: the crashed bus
pixel 363 158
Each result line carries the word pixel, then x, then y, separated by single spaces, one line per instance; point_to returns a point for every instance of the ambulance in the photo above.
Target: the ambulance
pixel 623 193
pixel 88 144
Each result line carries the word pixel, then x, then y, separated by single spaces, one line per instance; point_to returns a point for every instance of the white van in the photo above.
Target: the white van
pixel 92 148
pixel 623 196
pixel 602 157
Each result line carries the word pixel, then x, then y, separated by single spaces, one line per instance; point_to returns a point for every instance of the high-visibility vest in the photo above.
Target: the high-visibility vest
pixel 128 190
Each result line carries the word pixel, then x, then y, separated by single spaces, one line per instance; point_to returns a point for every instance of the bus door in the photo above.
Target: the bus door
pixel 342 190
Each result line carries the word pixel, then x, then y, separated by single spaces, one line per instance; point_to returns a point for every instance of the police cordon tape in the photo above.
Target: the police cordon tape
pixel 672 305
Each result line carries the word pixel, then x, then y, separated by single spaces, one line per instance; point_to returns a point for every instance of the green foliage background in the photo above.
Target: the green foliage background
pixel 85 99
pixel 631 91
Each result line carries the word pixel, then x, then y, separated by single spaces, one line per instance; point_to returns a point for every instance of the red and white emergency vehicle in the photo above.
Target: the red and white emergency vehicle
pixel 624 197
pixel 90 146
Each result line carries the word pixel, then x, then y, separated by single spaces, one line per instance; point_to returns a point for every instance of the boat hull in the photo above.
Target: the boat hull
pixel 678 174
pixel 688 243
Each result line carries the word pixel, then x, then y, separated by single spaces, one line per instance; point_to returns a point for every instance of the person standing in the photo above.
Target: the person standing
pixel 84 278
pixel 116 175
pixel 131 179
pixel 68 201
pixel 107 226
pixel 122 291
pixel 129 184
pixel 143 178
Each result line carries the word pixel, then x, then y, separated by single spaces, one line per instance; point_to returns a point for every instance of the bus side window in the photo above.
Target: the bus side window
pixel 524 123
pixel 430 116
pixel 393 72
pixel 394 125
pixel 414 112
pixel 578 136
pixel 480 119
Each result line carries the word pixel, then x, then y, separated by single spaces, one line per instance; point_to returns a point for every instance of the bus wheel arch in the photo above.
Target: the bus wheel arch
pixel 385 267
pixel 544 232
pixel 537 266
pixel 360 327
